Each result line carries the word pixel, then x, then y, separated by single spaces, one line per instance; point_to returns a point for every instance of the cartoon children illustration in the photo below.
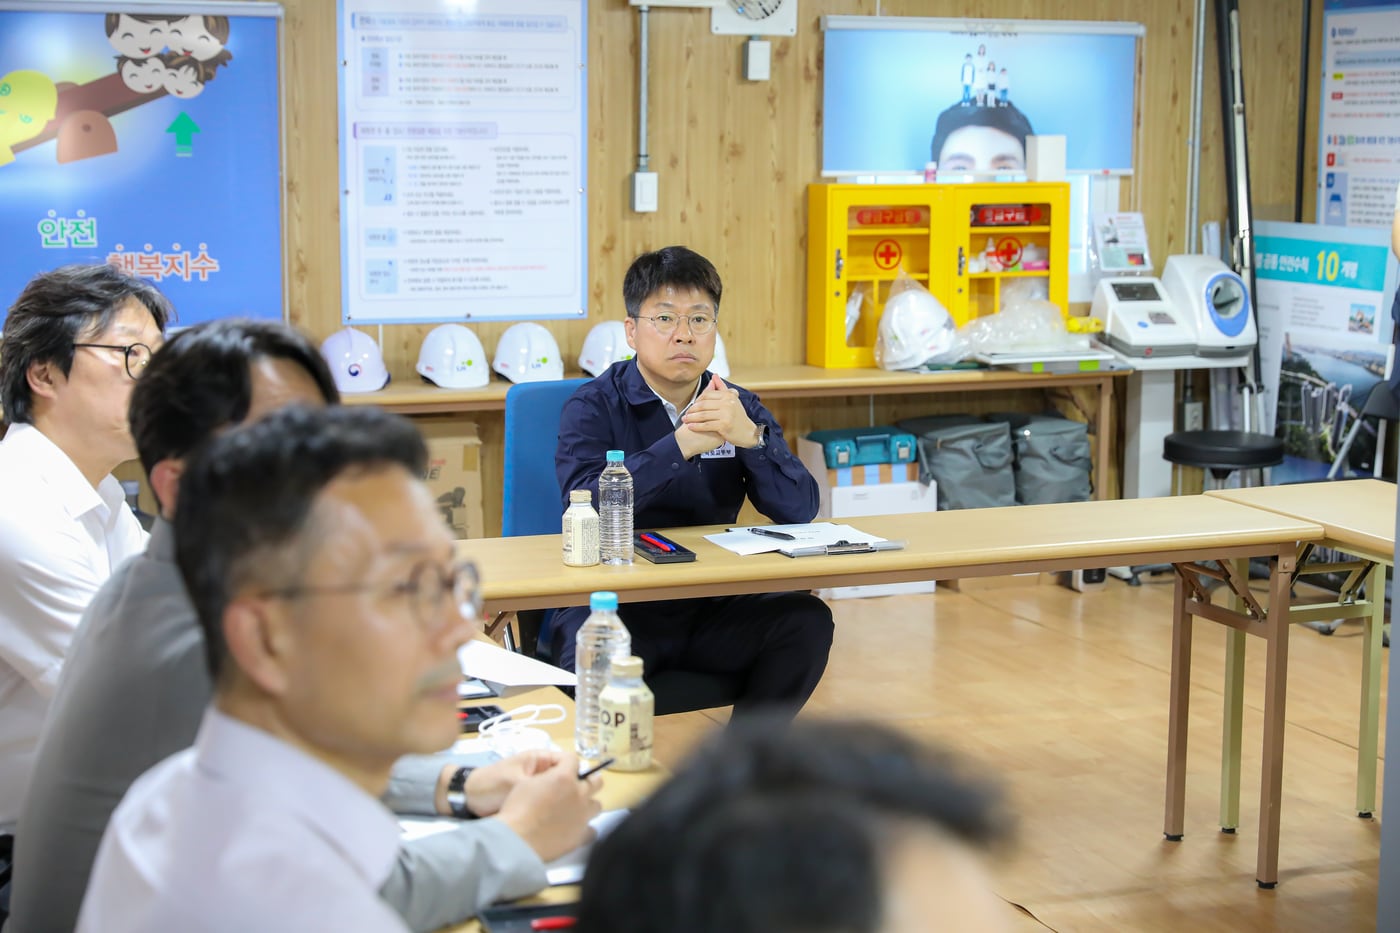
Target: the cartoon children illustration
pixel 989 98
pixel 142 75
pixel 200 37
pixel 184 77
pixel 1003 89
pixel 969 73
pixel 28 101
pixel 137 35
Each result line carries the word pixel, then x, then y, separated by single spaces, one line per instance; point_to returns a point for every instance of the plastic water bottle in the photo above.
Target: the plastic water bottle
pixel 615 511
pixel 602 638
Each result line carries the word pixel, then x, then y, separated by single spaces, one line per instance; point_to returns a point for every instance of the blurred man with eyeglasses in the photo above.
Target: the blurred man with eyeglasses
pixel 331 610
pixel 140 641
pixel 696 447
pixel 74 342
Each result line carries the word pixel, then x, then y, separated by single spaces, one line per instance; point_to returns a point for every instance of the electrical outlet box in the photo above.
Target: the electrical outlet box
pixel 644 192
pixel 1193 416
pixel 758 59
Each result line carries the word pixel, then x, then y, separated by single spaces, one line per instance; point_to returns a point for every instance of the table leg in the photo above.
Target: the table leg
pixel 1103 427
pixel 1275 693
pixel 1178 714
pixel 1231 740
pixel 1367 742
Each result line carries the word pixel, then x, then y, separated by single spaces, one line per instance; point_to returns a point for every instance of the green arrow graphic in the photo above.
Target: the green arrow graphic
pixel 184 129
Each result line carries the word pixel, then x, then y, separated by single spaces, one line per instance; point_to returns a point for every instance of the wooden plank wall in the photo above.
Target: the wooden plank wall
pixel 735 158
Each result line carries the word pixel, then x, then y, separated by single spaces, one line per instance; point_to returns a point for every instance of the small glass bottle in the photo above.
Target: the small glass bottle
pixel 580 530
pixel 625 710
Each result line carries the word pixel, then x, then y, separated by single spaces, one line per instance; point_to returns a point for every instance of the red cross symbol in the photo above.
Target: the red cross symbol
pixel 1009 251
pixel 888 253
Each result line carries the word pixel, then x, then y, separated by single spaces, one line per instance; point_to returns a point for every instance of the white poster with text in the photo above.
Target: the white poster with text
pixel 462 162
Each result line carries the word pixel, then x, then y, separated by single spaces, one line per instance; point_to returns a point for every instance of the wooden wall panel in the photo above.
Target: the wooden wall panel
pixel 735 157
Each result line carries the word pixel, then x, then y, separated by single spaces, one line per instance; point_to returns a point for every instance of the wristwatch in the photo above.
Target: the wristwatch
pixel 760 435
pixel 457 794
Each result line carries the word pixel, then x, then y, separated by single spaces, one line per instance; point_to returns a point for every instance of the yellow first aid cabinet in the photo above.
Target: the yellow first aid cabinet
pixel 966 244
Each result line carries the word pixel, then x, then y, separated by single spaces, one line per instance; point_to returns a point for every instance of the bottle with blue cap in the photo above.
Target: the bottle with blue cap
pixel 602 639
pixel 615 511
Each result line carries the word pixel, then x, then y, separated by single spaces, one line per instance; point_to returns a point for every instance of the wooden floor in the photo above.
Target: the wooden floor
pixel 1064 697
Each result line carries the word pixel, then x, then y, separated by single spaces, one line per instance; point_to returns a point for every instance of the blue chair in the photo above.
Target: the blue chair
pixel 533 506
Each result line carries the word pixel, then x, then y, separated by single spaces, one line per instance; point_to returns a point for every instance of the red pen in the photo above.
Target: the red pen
pixel 656 542
pixel 553 923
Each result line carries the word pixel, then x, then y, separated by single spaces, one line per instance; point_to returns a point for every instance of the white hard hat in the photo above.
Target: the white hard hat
pixel 528 353
pixel 453 357
pixel 913 329
pixel 605 345
pixel 720 364
pixel 355 361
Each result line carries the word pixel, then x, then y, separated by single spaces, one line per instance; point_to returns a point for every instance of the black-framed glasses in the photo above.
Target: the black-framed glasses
pixel 427 588
pixel 666 323
pixel 136 355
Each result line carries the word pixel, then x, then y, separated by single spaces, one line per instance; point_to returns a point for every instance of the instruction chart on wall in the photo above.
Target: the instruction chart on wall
pixel 462 160
pixel 1359 116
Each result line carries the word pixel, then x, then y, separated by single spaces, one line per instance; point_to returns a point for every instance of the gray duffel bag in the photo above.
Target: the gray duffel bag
pixel 1053 462
pixel 970 459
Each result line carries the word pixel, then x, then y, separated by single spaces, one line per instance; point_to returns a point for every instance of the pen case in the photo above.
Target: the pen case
pixel 657 555
pixel 525 919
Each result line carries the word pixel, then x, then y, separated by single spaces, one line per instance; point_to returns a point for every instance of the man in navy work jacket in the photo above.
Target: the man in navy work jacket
pixel 695 447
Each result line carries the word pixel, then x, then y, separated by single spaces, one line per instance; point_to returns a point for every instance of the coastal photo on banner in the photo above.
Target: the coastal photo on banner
pixel 901 92
pixel 147 140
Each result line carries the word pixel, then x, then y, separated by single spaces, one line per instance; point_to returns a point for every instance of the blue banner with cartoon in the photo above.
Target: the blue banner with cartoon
pixel 149 141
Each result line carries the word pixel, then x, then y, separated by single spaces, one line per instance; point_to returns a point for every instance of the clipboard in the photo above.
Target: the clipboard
pixel 842 547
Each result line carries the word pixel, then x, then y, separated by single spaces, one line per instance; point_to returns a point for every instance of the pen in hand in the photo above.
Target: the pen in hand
pixel 584 775
pixel 770 533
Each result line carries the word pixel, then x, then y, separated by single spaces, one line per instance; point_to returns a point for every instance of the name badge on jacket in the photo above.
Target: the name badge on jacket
pixel 723 450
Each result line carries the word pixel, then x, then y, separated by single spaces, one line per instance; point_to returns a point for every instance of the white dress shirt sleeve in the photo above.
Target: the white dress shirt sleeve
pixel 46 581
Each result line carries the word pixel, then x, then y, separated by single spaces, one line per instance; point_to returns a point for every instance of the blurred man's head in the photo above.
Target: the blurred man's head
pixel 816 827
pixel 215 375
pixel 981 139
pixel 75 342
pixel 325 584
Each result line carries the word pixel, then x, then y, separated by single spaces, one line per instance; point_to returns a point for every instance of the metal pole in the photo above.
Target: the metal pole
pixel 1302 115
pixel 1193 162
pixel 642 158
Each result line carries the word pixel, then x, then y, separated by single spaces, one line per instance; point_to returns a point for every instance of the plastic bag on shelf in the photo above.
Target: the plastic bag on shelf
pixel 915 329
pixel 1024 327
pixel 1020 291
pixel 860 295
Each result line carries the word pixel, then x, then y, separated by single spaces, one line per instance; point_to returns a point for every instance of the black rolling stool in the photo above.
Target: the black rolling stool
pixel 1221 453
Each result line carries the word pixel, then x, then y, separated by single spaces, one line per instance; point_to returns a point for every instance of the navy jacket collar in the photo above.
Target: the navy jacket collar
pixel 633 386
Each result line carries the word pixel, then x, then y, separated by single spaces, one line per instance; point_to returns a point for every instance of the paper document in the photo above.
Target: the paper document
pixel 497 665
pixel 568 868
pixel 813 534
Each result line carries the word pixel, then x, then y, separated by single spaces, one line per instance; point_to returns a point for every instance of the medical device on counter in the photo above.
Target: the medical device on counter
pixel 1216 302
pixel 1139 320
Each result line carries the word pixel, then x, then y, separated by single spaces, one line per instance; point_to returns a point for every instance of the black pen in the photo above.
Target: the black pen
pixel 583 775
pixel 770 533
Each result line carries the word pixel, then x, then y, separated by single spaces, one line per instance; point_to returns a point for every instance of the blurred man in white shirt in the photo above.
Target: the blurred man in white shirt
pixel 75 341
pixel 332 611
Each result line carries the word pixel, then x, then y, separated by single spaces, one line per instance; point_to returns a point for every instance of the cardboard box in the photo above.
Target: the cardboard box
pixel 873 473
pixel 843 502
pixel 454 473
